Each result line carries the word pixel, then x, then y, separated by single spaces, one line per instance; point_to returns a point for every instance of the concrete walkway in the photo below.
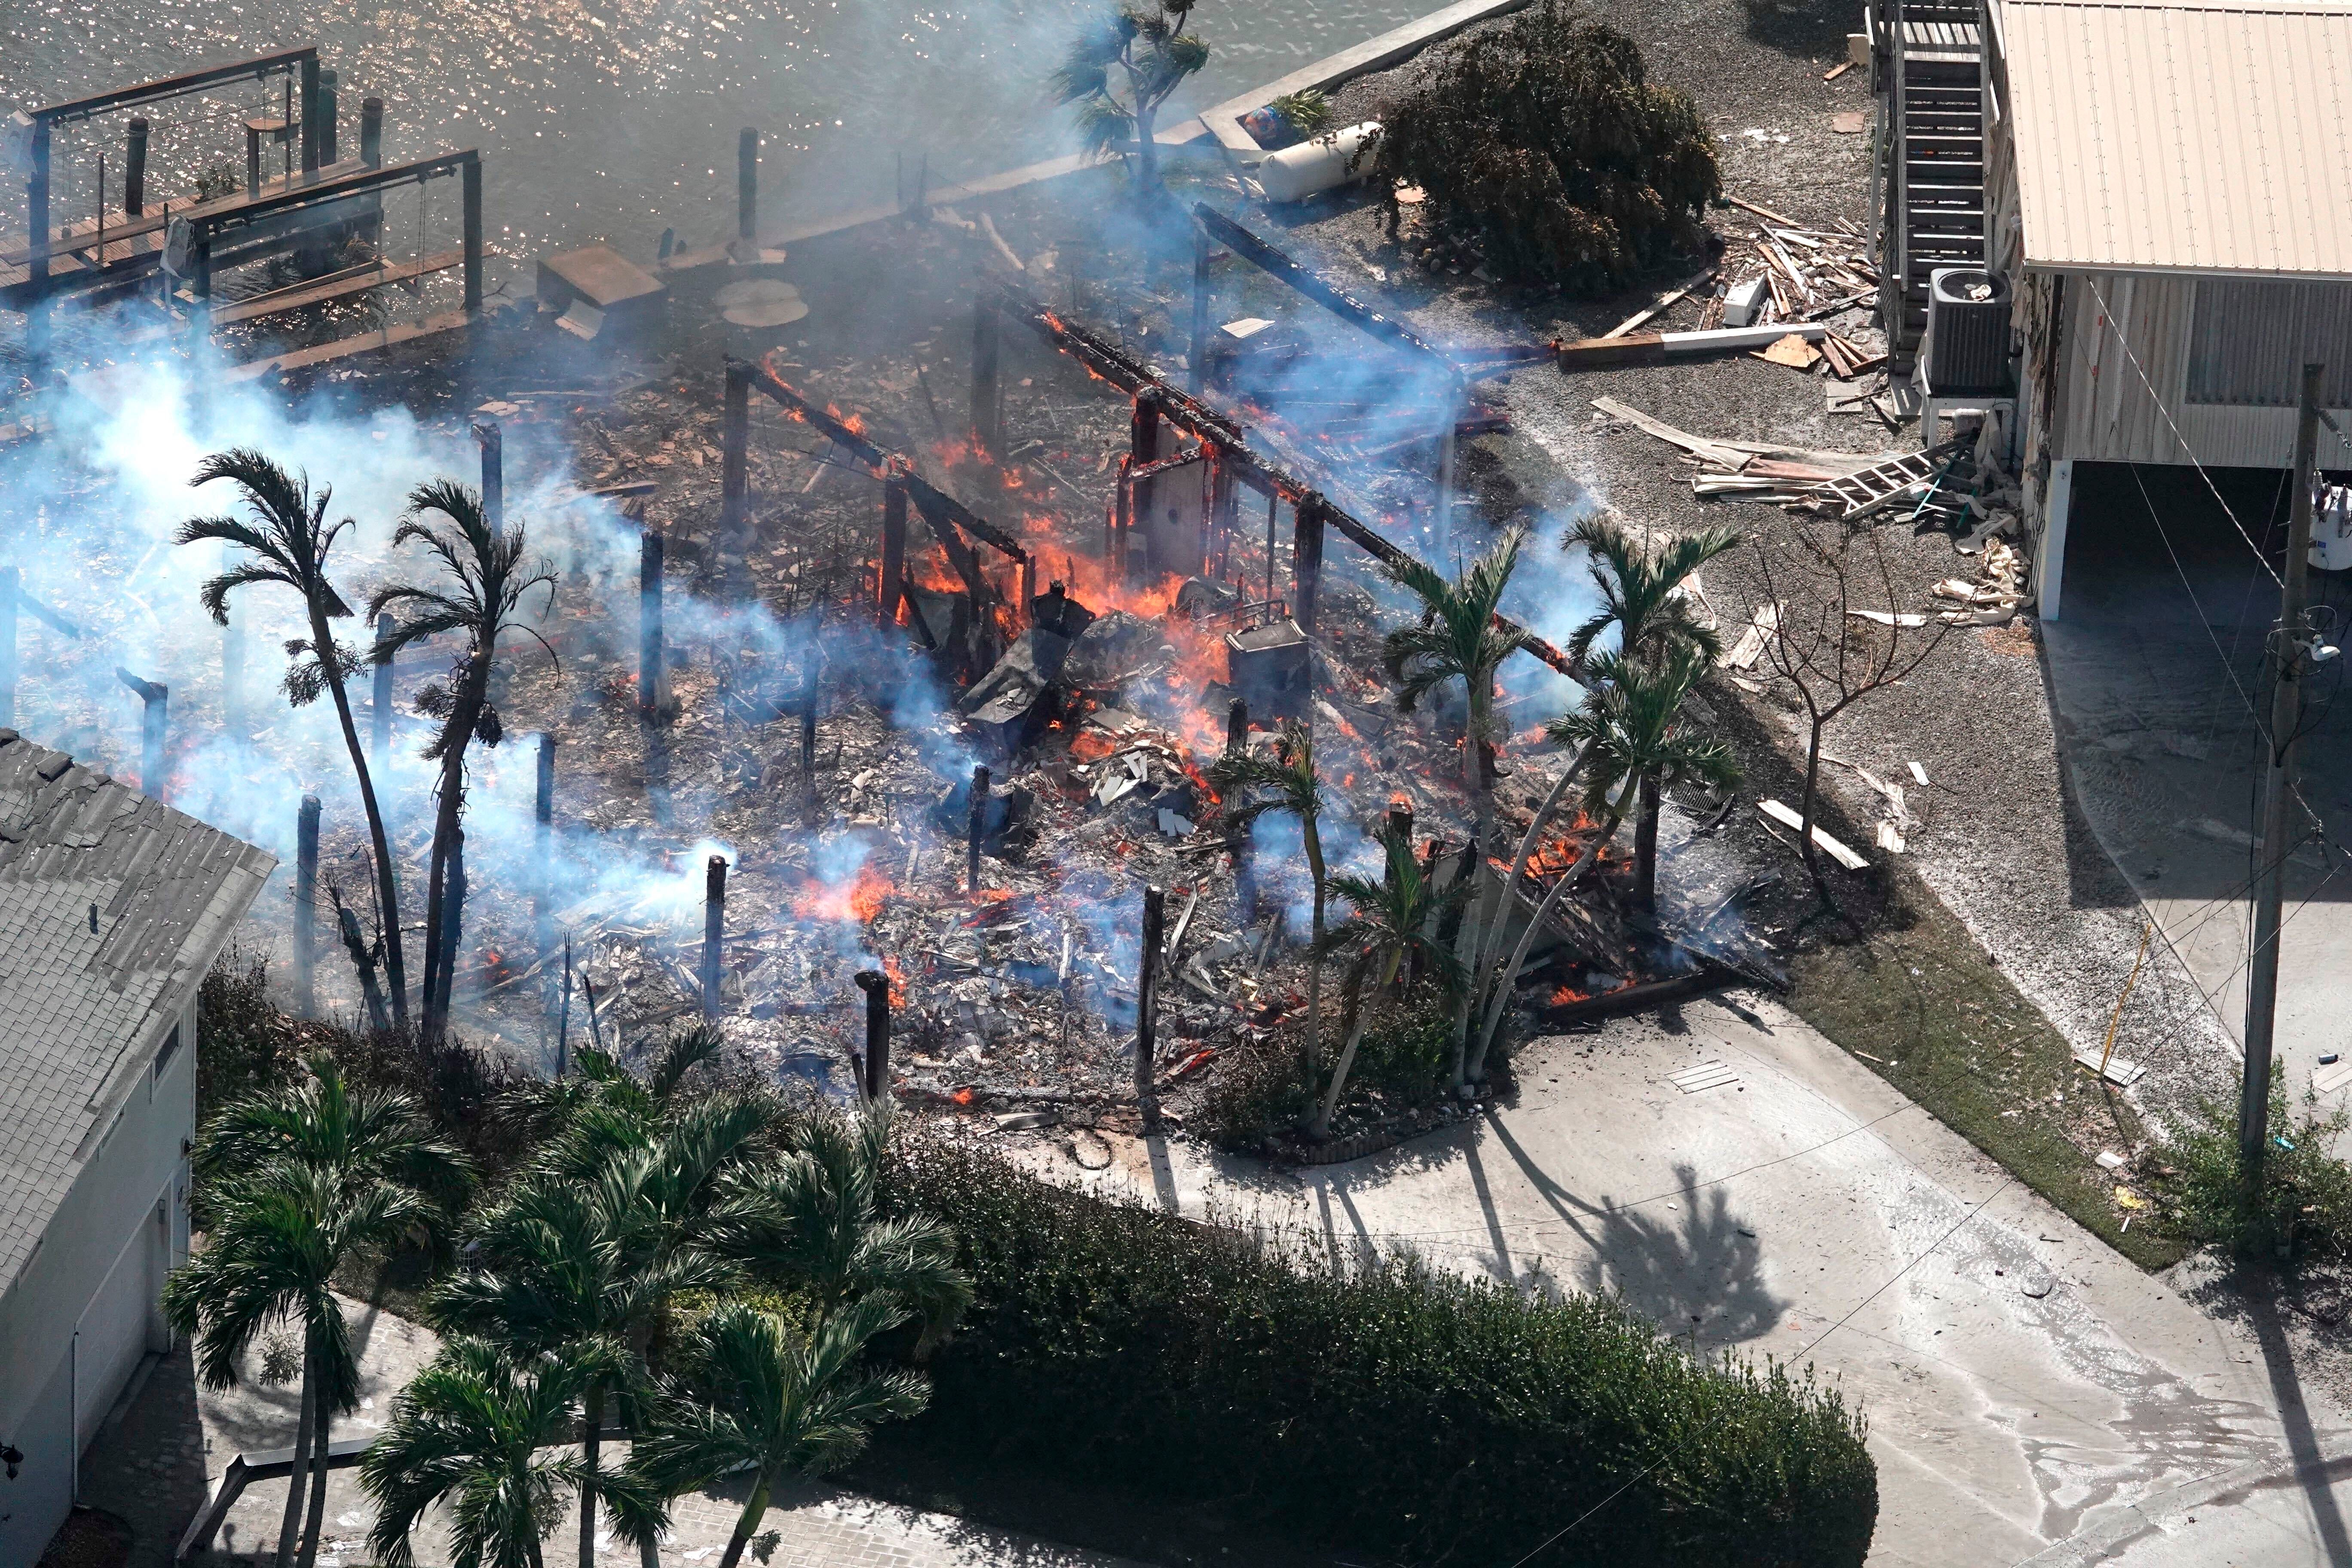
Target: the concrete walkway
pixel 2025 1386
pixel 170 1441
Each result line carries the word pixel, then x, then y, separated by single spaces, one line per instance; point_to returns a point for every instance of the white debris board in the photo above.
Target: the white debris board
pixel 2120 1073
pixel 2329 1078
pixel 1706 1075
pixel 1836 850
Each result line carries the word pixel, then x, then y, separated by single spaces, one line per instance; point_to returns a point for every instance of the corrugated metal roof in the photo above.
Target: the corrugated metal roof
pixel 110 906
pixel 2202 135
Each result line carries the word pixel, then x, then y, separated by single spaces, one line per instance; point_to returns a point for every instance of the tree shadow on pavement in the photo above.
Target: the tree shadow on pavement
pixel 148 1469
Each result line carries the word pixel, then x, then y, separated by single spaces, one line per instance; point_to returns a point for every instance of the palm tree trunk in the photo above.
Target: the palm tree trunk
pixel 440 932
pixel 1645 846
pixel 1322 1128
pixel 1500 1002
pixel 289 1528
pixel 1315 956
pixel 322 1436
pixel 1147 144
pixel 591 1433
pixel 452 920
pixel 1483 909
pixel 387 882
pixel 1490 951
pixel 754 1512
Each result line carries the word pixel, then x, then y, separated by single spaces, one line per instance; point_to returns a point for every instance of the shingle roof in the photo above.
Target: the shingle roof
pixel 111 907
pixel 2203 135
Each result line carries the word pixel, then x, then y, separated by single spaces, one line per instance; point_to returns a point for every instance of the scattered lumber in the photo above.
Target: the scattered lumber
pixel 1829 845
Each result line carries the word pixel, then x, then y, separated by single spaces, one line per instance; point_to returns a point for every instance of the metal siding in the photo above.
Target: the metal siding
pixel 2250 336
pixel 2200 134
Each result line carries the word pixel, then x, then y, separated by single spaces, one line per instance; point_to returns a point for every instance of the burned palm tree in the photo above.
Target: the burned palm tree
pixel 287 539
pixel 483 579
pixel 1147 46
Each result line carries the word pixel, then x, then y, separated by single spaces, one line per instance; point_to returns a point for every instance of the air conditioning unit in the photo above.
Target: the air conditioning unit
pixel 1967 346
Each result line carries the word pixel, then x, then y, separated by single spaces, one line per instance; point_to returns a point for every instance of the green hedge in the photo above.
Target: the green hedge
pixel 1394 1413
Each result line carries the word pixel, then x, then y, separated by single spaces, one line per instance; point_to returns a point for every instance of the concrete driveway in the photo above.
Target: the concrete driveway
pixel 2024 1384
pixel 2156 677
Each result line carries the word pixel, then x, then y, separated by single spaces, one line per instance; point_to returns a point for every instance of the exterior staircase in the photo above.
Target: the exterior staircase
pixel 1935 156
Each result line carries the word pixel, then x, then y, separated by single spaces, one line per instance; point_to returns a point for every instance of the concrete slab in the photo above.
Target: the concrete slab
pixel 598 275
pixel 2155 672
pixel 2023 1383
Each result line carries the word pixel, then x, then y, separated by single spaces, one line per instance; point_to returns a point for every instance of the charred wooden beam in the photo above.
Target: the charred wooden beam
pixel 987 404
pixel 1305 565
pixel 891 582
pixel 1113 365
pixel 735 456
pixel 649 625
pixel 747 186
pixel 1306 280
pixel 135 170
pixel 1196 364
pixel 543 891
pixel 977 828
pixel 492 440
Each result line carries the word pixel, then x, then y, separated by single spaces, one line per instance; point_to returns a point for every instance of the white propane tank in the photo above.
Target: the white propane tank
pixel 1296 172
pixel 2331 529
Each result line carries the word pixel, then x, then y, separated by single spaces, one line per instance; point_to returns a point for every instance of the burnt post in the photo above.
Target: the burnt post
pixel 876 1063
pixel 1196 366
pixel 492 441
pixel 735 456
pixel 8 578
pixel 747 186
pixel 978 829
pixel 135 170
pixel 649 626
pixel 380 709
pixel 543 819
pixel 563 1018
pixel 987 409
pixel 311 114
pixel 1121 522
pixel 1236 726
pixel 1146 1006
pixel 714 922
pixel 252 158
pixel 152 717
pixel 894 550
pixel 306 909
pixel 1306 561
pixel 1399 825
pixel 1142 446
pixel 372 132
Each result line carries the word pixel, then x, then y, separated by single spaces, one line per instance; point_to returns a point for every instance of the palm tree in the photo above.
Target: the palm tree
pixel 1392 924
pixel 760 1396
pixel 1629 734
pixel 812 1220
pixel 287 543
pixel 579 1265
pixel 491 1436
pixel 1641 587
pixel 304 1178
pixel 488 580
pixel 1153 54
pixel 1458 639
pixel 1284 781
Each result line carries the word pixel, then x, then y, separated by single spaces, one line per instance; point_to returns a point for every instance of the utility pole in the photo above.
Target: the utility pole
pixel 2292 650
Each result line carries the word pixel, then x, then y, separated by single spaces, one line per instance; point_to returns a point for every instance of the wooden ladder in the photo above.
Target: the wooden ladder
pixel 1867 489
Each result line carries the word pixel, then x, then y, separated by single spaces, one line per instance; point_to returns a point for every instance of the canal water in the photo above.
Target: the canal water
pixel 614 119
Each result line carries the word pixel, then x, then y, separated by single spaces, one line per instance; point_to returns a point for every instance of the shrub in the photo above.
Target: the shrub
pixel 1389 1411
pixel 2307 1200
pixel 1542 138
pixel 244 1043
pixel 1254 1092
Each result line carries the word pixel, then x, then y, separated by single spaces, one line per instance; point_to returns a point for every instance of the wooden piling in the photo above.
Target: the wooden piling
pixel 875 1064
pixel 154 716
pixel 987 411
pixel 1146 1006
pixel 492 440
pixel 1196 366
pixel 649 626
pixel 542 890
pixel 380 712
pixel 1142 447
pixel 306 909
pixel 735 460
pixel 135 170
pixel 1306 562
pixel 714 922
pixel 372 132
pixel 328 109
pixel 893 551
pixel 311 114
pixel 8 581
pixel 978 829
pixel 252 159
pixel 471 242
pixel 747 186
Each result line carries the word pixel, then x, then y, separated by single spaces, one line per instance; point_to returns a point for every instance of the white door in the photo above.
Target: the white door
pixel 113 1334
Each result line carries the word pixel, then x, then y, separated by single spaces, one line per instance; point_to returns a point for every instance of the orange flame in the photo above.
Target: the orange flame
pixel 857 901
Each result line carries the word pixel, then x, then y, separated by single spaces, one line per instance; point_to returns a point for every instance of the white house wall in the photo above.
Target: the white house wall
pixel 109 1216
pixel 2123 397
